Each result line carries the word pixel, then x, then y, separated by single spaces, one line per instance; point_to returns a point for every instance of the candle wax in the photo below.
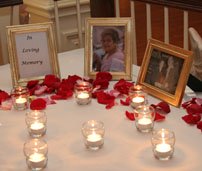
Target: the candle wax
pixel 163 148
pixel 138 99
pixel 21 100
pixel 36 157
pixel 144 121
pixel 94 137
pixel 83 95
pixel 37 126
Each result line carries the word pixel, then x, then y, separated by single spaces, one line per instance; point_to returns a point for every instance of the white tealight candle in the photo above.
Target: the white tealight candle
pixel 136 101
pixel 94 141
pixel 37 126
pixel 83 95
pixel 163 148
pixel 144 121
pixel 37 129
pixel 94 137
pixel 37 160
pixel 144 124
pixel 163 151
pixel 36 157
pixel 21 100
pixel 83 98
pixel 21 103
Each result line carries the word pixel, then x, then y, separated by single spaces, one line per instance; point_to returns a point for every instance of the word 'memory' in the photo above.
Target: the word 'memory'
pixel 32 62
pixel 30 50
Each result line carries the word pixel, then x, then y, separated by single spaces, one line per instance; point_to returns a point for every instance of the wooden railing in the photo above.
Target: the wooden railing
pixel 184 5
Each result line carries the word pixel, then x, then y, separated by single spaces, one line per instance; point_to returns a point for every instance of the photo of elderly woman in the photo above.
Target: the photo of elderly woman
pixel 108 47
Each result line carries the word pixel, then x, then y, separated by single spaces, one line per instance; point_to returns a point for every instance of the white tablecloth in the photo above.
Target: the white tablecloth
pixel 124 149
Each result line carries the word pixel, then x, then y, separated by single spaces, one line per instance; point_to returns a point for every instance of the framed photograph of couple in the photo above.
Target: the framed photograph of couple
pixel 108 47
pixel 165 70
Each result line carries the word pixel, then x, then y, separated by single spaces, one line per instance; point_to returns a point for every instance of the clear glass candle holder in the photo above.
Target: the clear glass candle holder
pixel 144 118
pixel 163 142
pixel 137 95
pixel 36 153
pixel 36 122
pixel 83 92
pixel 93 134
pixel 20 98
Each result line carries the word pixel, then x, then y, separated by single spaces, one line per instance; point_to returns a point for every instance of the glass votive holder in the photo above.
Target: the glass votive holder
pixel 93 133
pixel 36 122
pixel 144 118
pixel 20 98
pixel 137 96
pixel 83 92
pixel 36 153
pixel 163 142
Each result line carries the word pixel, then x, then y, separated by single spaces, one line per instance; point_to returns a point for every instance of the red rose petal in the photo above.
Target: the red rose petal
pixel 102 83
pixel 3 96
pixel 38 104
pixel 164 106
pixel 104 75
pixel 159 117
pixel 123 86
pixel 194 109
pixel 31 84
pixel 126 102
pixel 130 115
pixel 191 119
pixel 186 104
pixel 40 91
pixel 199 125
pixel 110 105
pixel 104 98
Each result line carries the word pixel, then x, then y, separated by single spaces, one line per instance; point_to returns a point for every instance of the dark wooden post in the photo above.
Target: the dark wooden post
pixel 102 8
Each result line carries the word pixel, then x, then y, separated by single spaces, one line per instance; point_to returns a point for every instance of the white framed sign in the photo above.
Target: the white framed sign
pixel 32 52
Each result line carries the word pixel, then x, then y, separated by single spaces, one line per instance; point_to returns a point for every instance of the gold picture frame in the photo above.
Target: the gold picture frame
pixel 164 71
pixel 96 56
pixel 32 52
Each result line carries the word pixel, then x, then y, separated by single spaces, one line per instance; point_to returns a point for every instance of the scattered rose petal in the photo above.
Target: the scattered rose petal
pixel 6 105
pixel 50 80
pixel 31 84
pixel 130 115
pixel 114 93
pixel 186 104
pixel 198 101
pixel 40 90
pixel 3 96
pixel 110 105
pixel 159 117
pixel 102 83
pixel 191 119
pixel 123 86
pixel 162 106
pixel 104 75
pixel 38 104
pixel 104 98
pixel 126 102
pixel 194 109
pixel 199 125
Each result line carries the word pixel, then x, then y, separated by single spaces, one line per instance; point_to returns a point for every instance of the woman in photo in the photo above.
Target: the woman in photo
pixel 113 58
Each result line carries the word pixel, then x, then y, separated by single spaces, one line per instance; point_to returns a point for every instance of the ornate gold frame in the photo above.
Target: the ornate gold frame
pixel 111 22
pixel 12 32
pixel 145 72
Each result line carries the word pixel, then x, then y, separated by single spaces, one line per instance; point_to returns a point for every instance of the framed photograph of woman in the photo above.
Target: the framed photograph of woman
pixel 165 70
pixel 108 47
